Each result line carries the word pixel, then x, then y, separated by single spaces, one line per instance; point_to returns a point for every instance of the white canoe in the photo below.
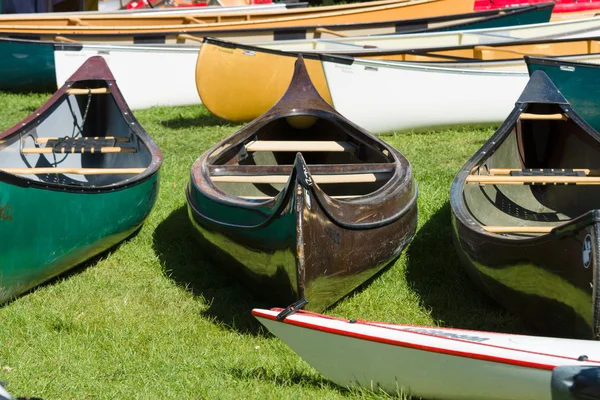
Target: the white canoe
pixel 589 27
pixel 147 75
pixel 386 96
pixel 439 363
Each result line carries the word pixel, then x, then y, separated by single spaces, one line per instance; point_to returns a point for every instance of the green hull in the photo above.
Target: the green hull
pixel 46 232
pixel 578 82
pixel 27 66
pixel 535 16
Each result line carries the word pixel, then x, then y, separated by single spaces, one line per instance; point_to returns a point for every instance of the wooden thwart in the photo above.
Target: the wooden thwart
pixel 544 117
pixel 306 145
pixel 543 180
pixel 73 171
pixel 92 150
pixel 87 91
pixel 518 229
pixel 507 171
pixel 346 196
pixel 84 138
pixel 320 179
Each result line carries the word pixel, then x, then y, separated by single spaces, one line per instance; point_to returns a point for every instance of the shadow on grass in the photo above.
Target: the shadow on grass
pixel 434 271
pixel 181 122
pixel 77 269
pixel 191 268
pixel 291 376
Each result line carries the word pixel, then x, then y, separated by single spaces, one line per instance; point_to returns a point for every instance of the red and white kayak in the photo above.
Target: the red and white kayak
pixel 440 363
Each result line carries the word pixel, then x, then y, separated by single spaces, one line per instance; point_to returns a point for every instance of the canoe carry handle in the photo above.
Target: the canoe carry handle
pixel 544 117
pixel 296 146
pixel 74 171
pixel 291 309
pixel 321 31
pixel 88 91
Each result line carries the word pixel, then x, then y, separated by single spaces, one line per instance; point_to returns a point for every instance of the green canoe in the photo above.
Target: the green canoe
pixel 77 176
pixel 578 82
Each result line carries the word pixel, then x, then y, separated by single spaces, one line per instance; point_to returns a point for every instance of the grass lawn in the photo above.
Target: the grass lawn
pixel 154 318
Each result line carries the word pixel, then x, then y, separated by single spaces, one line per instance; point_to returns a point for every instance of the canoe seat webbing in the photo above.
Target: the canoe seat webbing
pixel 544 117
pixel 533 180
pixel 540 172
pixel 304 145
pixel 73 145
pixel 518 229
pixel 320 179
pixel 83 138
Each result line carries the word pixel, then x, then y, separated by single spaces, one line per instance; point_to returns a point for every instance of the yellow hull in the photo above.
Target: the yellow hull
pixel 394 10
pixel 240 85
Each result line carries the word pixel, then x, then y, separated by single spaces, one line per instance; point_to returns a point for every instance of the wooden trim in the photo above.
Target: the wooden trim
pixel 544 117
pixel 65 39
pixel 73 171
pixel 304 145
pixel 50 150
pixel 521 180
pixel 518 229
pixel 88 91
pixel 507 171
pixel 321 179
pixel 321 31
pixel 500 49
pixel 184 36
pixel 120 139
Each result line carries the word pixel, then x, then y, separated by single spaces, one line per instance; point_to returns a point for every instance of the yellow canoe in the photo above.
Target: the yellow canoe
pixel 388 10
pixel 241 82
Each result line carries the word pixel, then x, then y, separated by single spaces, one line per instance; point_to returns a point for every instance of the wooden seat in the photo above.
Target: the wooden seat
pixel 518 229
pixel 304 145
pixel 320 179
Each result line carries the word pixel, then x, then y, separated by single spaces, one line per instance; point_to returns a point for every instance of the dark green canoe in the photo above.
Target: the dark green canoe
pixel 76 177
pixel 579 82
pixel 526 214
pixel 301 202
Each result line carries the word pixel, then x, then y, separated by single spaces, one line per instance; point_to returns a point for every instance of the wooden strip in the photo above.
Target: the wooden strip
pixel 219 170
pixel 184 36
pixel 86 91
pixel 84 138
pixel 321 179
pixel 73 171
pixel 346 196
pixel 544 117
pixel 518 229
pixel 507 171
pixel 50 150
pixel 511 51
pixel 65 39
pixel 320 31
pixel 306 145
pixel 521 180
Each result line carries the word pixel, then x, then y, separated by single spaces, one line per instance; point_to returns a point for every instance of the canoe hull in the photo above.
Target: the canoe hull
pixel 302 253
pixel 47 232
pixel 552 290
pixel 429 362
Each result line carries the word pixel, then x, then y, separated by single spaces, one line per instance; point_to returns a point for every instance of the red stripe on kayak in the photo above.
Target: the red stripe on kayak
pixel 400 343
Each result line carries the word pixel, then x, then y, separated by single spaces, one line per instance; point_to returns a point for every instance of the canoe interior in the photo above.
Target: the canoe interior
pixel 303 128
pixel 77 116
pixel 536 144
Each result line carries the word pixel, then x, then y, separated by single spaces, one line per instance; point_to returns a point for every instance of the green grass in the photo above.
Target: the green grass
pixel 154 318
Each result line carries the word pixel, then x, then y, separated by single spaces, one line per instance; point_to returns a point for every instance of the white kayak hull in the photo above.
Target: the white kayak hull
pixel 392 96
pixel 589 27
pixel 431 362
pixel 147 75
